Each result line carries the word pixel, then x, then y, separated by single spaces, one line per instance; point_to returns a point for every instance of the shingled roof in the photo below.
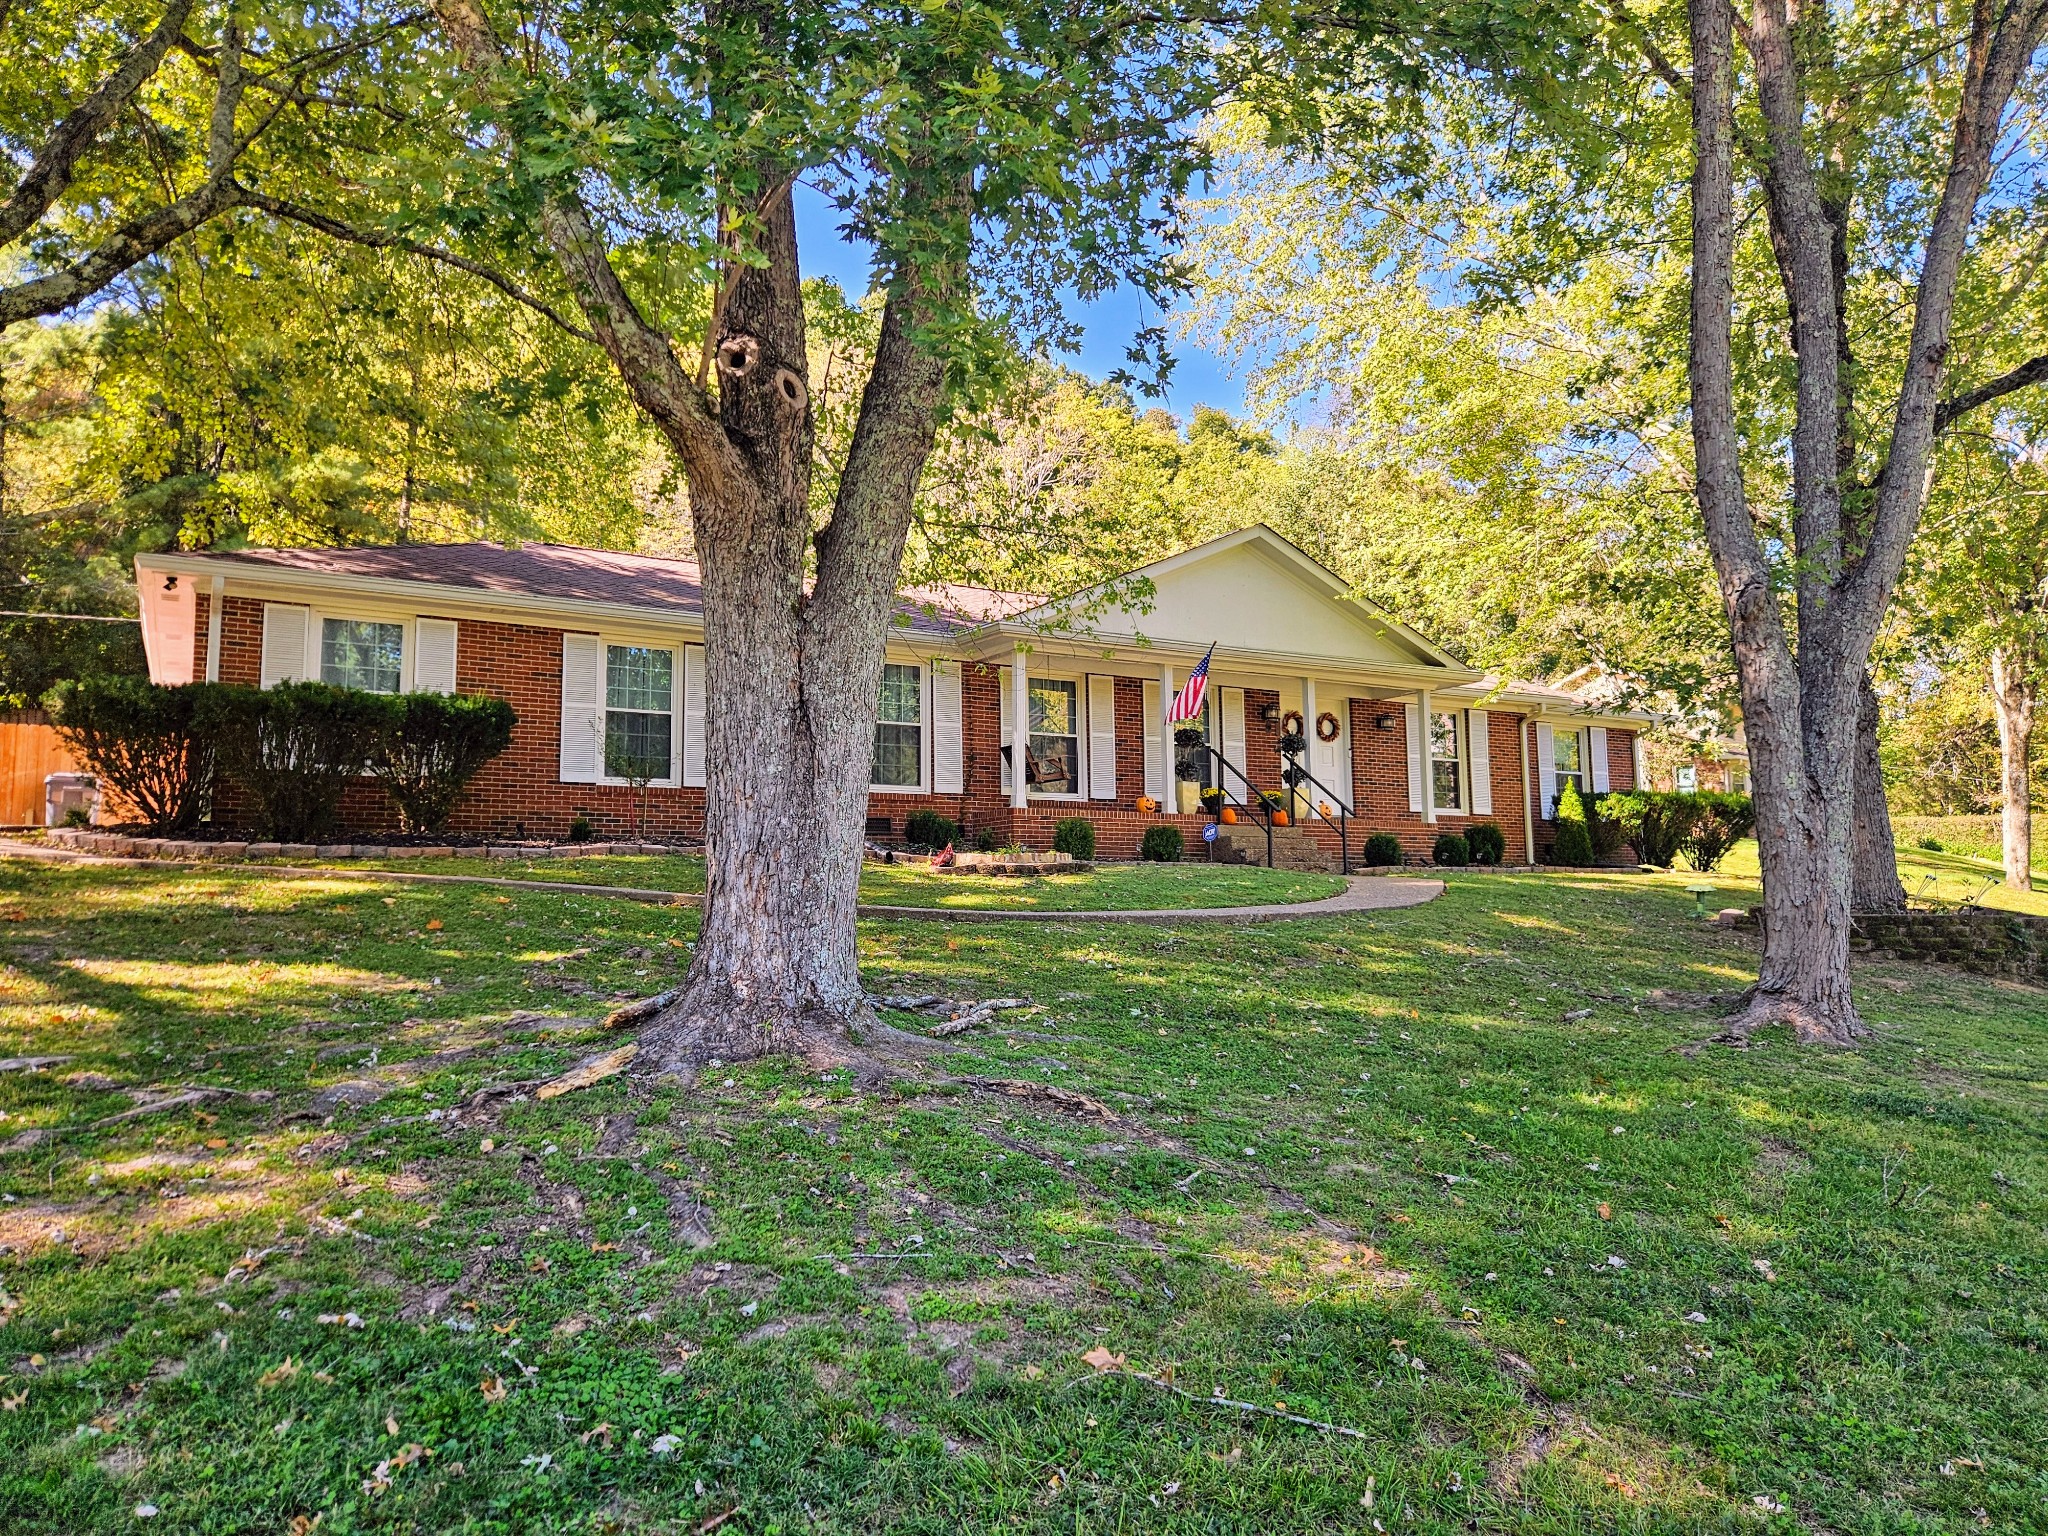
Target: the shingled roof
pixel 585 575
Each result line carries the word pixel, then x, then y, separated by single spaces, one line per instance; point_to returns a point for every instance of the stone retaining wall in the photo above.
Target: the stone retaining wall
pixel 1989 943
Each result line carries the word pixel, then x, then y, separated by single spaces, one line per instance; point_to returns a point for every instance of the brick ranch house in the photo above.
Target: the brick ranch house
pixel 587 644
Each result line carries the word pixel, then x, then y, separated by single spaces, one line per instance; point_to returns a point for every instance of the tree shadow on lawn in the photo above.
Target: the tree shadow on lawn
pixel 1379 1182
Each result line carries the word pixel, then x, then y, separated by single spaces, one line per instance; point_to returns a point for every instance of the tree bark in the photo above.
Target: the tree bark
pixel 2013 689
pixel 792 668
pixel 1873 852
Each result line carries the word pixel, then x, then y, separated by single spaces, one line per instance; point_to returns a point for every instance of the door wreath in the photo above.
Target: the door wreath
pixel 1290 723
pixel 1327 726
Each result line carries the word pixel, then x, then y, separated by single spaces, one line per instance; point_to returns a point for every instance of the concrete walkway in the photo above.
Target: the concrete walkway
pixel 1362 893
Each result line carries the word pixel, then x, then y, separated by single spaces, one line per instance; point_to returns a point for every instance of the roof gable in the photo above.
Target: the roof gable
pixel 1253 591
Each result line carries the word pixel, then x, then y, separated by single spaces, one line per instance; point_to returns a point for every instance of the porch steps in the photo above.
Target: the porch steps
pixel 1293 848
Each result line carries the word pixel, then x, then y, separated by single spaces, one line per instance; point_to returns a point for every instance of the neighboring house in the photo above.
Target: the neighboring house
pixel 1719 763
pixel 591 646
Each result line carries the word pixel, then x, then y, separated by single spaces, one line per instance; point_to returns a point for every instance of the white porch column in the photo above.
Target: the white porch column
pixel 1020 727
pixel 1310 795
pixel 216 597
pixel 1428 767
pixel 1166 730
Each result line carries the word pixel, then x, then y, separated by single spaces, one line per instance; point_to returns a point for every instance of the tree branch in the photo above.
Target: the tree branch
pixel 2032 371
pixel 50 172
pixel 379 239
pixel 144 237
pixel 642 353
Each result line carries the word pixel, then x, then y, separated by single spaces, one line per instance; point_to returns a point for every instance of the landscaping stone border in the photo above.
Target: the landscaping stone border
pixel 121 845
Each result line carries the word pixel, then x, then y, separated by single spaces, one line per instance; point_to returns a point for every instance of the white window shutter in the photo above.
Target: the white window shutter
pixel 433 656
pixel 693 714
pixel 1480 755
pixel 284 643
pixel 1157 769
pixel 1546 771
pixel 1412 715
pixel 949 760
pixel 1598 748
pixel 582 709
pixel 1233 741
pixel 1635 760
pixel 1101 738
pixel 1003 683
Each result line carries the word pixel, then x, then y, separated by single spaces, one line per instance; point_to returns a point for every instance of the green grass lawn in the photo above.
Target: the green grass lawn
pixel 1452 1178
pixel 1107 887
pixel 1929 876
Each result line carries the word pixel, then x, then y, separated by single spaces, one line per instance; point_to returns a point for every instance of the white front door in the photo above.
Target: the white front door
pixel 1330 761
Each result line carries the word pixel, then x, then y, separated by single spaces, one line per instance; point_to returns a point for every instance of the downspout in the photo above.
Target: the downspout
pixel 1528 811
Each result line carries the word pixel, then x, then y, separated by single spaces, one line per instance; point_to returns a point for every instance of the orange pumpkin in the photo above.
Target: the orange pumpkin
pixel 1229 816
pixel 1280 819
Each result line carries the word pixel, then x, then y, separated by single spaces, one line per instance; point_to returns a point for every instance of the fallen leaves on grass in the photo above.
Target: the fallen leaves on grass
pixel 493 1389
pixel 279 1373
pixel 1102 1359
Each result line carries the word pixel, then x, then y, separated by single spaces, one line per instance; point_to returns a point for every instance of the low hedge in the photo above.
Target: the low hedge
pixel 1487 843
pixel 430 745
pixel 928 829
pixel 1074 836
pixel 293 748
pixel 1161 844
pixel 155 747
pixel 1451 849
pixel 1383 848
pixel 1723 821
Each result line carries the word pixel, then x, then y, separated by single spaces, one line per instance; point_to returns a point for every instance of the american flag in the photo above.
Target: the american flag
pixel 1187 704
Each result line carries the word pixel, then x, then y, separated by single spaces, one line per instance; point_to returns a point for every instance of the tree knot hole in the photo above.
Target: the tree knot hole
pixel 737 355
pixel 789 386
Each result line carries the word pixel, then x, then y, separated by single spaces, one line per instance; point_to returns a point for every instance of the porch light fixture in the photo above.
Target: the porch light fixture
pixel 1270 714
pixel 1385 722
pixel 171 583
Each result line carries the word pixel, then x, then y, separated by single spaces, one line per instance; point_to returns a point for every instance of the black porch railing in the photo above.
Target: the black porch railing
pixel 1258 796
pixel 1300 776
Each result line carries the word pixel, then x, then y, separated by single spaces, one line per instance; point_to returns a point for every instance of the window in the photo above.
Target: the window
pixel 899 727
pixel 356 653
pixel 1570 752
pixel 1053 766
pixel 639 712
pixel 1738 779
pixel 1446 773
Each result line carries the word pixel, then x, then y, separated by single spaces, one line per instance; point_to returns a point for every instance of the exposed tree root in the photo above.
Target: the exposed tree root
pixel 1760 1009
pixel 711 1026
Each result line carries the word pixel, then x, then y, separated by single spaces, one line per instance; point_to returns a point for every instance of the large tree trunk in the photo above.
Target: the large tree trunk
pixel 2012 696
pixel 1874 854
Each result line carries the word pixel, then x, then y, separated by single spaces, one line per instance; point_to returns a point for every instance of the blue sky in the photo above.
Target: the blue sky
pixel 1199 376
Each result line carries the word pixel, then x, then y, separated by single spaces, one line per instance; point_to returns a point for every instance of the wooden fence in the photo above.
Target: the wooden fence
pixel 29 753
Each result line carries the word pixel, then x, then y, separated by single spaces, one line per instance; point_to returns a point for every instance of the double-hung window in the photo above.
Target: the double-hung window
pixel 1446 769
pixel 899 727
pixel 639 713
pixel 1569 748
pixel 361 653
pixel 1055 762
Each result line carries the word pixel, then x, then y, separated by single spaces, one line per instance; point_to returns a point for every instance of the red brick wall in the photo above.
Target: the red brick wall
pixel 519 793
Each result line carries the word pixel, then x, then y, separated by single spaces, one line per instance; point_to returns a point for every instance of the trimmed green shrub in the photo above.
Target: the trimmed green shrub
pixel 156 747
pixel 1655 823
pixel 1602 829
pixel 1383 848
pixel 1724 821
pixel 987 841
pixel 1574 847
pixel 1452 849
pixel 1074 836
pixel 431 746
pixel 1571 805
pixel 579 829
pixel 293 748
pixel 1161 844
pixel 1931 844
pixel 1488 844
pixel 928 829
